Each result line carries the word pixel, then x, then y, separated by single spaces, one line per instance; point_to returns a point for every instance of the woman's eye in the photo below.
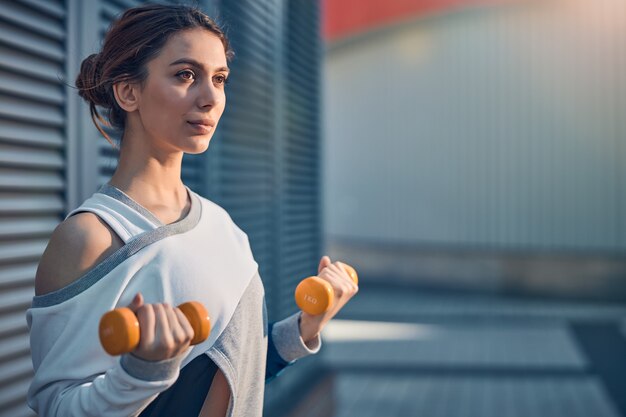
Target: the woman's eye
pixel 220 79
pixel 186 75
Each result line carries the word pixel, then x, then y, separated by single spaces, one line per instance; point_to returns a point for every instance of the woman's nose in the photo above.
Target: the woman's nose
pixel 209 95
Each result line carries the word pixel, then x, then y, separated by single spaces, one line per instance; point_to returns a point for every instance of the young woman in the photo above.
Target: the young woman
pixel 146 241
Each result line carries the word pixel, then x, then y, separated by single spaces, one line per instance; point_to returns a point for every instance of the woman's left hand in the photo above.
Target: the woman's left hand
pixel 343 288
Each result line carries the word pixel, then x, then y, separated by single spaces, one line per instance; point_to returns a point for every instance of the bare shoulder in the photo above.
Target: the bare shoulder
pixel 76 245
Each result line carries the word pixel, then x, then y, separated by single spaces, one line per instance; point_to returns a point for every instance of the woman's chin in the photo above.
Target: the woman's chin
pixel 199 144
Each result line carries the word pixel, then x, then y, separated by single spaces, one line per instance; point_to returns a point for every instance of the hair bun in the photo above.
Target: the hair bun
pixel 89 81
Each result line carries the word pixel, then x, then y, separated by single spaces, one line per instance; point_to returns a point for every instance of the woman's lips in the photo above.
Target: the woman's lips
pixel 200 127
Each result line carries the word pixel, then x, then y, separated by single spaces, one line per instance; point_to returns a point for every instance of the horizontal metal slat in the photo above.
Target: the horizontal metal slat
pixel 298 216
pixel 22 133
pixel 109 11
pixel 297 230
pixel 26 157
pixel 21 228
pixel 102 179
pixel 54 8
pixel 299 186
pixel 107 162
pixel 13 347
pixel 16 299
pixel 33 21
pixel 304 174
pixel 236 140
pixel 22 251
pixel 29 42
pixel 262 203
pixel 299 247
pixel 233 186
pixel 247 81
pixel 29 65
pixel 253 116
pixel 23 204
pixel 302 120
pixel 30 180
pixel 259 157
pixel 251 217
pixel 248 176
pixel 248 85
pixel 27 110
pixel 296 267
pixel 17 274
pixel 127 4
pixel 194 184
pixel 16 410
pixel 296 201
pixel 250 191
pixel 190 170
pixel 13 323
pixel 300 156
pixel 31 89
pixel 260 23
pixel 14 394
pixel 16 369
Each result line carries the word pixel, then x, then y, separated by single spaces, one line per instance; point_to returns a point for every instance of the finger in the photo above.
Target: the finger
pixel 146 318
pixel 335 280
pixel 324 262
pixel 185 325
pixel 162 333
pixel 177 332
pixel 339 267
pixel 136 302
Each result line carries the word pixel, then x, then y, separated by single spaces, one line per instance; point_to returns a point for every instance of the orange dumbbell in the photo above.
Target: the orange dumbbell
pixel 119 328
pixel 315 295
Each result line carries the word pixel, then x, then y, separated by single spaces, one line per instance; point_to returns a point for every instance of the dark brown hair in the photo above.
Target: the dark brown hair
pixel 130 43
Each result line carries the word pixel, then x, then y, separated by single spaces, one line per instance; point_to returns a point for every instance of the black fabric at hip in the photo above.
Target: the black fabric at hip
pixel 186 397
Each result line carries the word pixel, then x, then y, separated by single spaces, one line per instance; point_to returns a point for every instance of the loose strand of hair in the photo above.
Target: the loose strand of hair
pixel 99 121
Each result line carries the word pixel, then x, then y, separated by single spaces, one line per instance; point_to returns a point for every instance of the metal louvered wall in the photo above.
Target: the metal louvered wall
pixel 299 211
pixel 268 149
pixel 32 164
pixel 265 161
pixel 297 169
pixel 244 152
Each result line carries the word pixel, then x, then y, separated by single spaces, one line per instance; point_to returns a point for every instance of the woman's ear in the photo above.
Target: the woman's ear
pixel 127 95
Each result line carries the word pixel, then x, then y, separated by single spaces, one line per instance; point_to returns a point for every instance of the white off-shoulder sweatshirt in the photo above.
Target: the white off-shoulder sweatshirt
pixel 203 257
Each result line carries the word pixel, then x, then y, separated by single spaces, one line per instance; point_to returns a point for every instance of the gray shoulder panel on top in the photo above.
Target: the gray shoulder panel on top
pixel 109 263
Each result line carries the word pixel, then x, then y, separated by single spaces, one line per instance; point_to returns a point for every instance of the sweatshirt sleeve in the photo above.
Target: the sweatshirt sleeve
pixel 75 377
pixel 124 390
pixel 285 345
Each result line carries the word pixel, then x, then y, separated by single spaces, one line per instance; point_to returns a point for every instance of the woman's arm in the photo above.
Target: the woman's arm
pixel 73 376
pixel 286 345
pixel 300 334
pixel 121 391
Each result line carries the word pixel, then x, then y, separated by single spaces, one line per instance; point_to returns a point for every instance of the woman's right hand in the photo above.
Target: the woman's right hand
pixel 165 331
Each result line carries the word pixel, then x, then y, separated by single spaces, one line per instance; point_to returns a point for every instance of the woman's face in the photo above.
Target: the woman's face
pixel 183 97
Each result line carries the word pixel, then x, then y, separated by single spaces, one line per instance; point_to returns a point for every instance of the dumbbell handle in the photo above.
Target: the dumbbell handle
pixel 119 328
pixel 315 295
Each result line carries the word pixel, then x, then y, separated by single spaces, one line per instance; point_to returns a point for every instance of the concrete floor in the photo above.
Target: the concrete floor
pixel 403 352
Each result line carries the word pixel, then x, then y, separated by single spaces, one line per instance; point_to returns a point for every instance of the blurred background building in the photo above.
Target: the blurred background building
pixel 474 173
pixel 478 144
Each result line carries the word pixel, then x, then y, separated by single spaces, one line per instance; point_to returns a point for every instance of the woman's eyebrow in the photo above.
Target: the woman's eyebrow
pixel 194 63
